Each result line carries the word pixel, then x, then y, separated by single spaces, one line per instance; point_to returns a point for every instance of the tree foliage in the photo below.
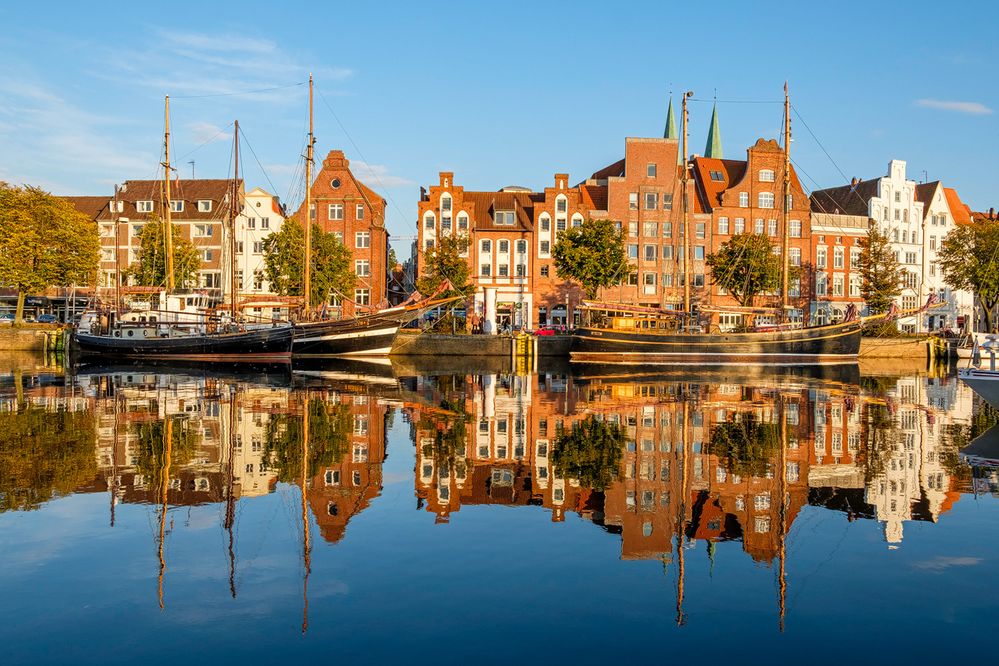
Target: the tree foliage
pixel 329 438
pixel 44 242
pixel 151 447
pixel 969 260
pixel 880 271
pixel 745 447
pixel 592 254
pixel 590 452
pixel 332 263
pixel 746 266
pixel 444 261
pixel 149 268
pixel 44 454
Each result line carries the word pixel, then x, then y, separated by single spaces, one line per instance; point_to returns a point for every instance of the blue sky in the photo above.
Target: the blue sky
pixel 500 94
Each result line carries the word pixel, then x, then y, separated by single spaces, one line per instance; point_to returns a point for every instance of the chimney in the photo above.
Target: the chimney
pixel 992 213
pixel 853 181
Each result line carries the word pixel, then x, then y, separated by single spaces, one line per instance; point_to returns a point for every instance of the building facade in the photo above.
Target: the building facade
pixel 943 211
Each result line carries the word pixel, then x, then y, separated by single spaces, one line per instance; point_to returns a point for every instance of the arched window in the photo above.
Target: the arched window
pixel 429 221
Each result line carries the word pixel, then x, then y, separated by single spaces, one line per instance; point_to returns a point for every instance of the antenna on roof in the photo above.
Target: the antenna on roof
pixel 191 162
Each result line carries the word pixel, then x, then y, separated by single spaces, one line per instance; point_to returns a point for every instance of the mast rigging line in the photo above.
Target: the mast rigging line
pixel 244 92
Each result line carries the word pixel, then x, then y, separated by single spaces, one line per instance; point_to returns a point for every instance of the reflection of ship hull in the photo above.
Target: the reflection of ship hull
pixel 838 343
pixel 984 382
pixel 266 374
pixel 984 449
pixel 254 346
pixel 846 373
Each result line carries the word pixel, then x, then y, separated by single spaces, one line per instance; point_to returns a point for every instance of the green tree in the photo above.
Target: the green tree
pixel 393 259
pixel 590 452
pixel 444 261
pixel 332 263
pixel 44 454
pixel 149 268
pixel 746 266
pixel 44 242
pixel 329 438
pixel 746 447
pixel 592 254
pixel 969 260
pixel 880 271
pixel 150 447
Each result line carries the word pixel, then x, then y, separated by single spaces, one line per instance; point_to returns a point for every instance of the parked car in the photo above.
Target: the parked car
pixel 48 318
pixel 545 330
pixel 7 316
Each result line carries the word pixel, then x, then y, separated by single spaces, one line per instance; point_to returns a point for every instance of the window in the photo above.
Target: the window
pixel 485 270
pixel 723 225
pixel 698 252
pixel 486 246
pixel 560 224
pixel 561 205
pixel 265 223
pixel 503 270
pixel 650 170
pixel 838 257
pixel 766 199
pixel 251 223
pixel 633 279
pixel 772 227
pixel 650 252
pixel 820 257
pixel 933 242
pixel 204 230
pixel 312 211
pixel 362 267
pixel 359 211
pixel 699 231
pixel 144 206
pixel 176 206
pixel 633 251
pixel 362 296
pixel 545 247
pixel 758 227
pixel 854 257
pixel 740 225
pixel 204 206
pixel 633 200
pixel 766 175
pixel 649 279
pixel 429 221
pixel 910 257
pixel 854 286
pixel 544 271
pixel 794 256
pixel 650 229
pixel 446 224
pixel 428 244
pixel 821 284
pixel 521 270
pixel 362 239
pixel 462 222
pixel 898 197
pixel 335 211
pixel 445 202
pixel 211 280
pixel 667 229
pixel 503 218
pixel 795 229
pixel 521 247
pixel 743 199
pixel 546 224
pixel 667 202
pixel 258 247
pixel 633 229
pixel 837 284
pixel 651 201
pixel 239 280
pixel 717 176
pixel 933 269
pixel 504 246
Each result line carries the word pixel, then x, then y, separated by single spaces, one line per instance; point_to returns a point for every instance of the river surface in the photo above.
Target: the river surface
pixel 381 513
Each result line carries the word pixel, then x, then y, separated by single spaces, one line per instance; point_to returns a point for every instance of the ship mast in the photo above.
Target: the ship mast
pixel 685 179
pixel 307 269
pixel 785 258
pixel 117 259
pixel 233 213
pixel 167 210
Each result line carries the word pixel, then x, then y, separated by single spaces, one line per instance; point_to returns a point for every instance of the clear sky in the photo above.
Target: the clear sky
pixel 501 94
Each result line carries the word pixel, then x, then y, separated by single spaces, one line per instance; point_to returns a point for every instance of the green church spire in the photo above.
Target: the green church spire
pixel 714 147
pixel 670 132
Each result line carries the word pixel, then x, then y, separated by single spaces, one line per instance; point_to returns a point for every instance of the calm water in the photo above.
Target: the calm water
pixel 158 517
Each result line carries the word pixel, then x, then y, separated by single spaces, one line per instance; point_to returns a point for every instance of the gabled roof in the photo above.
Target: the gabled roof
pixel 615 170
pixel 190 191
pixel 711 190
pixel 925 193
pixel 848 199
pixel 487 203
pixel 92 207
pixel 959 209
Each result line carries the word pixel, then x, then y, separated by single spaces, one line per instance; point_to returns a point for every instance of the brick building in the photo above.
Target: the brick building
pixel 836 278
pixel 343 205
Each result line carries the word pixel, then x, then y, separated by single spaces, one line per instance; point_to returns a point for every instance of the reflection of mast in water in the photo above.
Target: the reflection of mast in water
pixel 113 482
pixel 164 487
pixel 230 501
pixel 681 524
pixel 784 499
pixel 306 546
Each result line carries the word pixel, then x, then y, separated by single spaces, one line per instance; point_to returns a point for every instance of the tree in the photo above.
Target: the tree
pixel 149 268
pixel 592 254
pixel 746 266
pixel 969 260
pixel 332 263
pixel 444 261
pixel 590 452
pixel 393 259
pixel 746 447
pixel 44 242
pixel 880 271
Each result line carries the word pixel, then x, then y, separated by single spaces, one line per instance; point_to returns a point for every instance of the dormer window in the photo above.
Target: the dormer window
pixel 503 218
pixel 116 206
pixel 176 206
pixel 717 176
pixel 144 206
pixel 205 205
pixel 766 175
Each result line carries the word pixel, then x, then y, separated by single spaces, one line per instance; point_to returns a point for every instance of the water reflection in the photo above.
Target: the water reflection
pixel 671 465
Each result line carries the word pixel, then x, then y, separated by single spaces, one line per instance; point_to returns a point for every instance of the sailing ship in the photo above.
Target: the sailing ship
pixel 369 333
pixel 184 326
pixel 643 335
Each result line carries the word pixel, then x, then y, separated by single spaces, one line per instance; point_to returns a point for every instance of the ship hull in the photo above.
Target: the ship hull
pixel 369 336
pixel 807 346
pixel 256 346
pixel 984 382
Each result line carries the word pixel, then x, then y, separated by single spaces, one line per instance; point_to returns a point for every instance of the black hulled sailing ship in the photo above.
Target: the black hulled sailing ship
pixel 184 326
pixel 638 335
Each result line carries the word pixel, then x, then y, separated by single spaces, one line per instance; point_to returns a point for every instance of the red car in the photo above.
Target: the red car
pixel 545 330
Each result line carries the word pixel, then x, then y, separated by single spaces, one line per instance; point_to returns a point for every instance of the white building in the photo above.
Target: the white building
pixel 261 216
pixel 943 210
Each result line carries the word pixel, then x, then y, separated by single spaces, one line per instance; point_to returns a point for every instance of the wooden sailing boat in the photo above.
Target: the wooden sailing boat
pixel 642 335
pixel 368 334
pixel 181 328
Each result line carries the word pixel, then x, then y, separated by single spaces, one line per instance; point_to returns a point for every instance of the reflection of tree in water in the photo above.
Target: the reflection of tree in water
pixel 449 425
pixel 880 438
pixel 44 454
pixel 956 436
pixel 590 452
pixel 329 432
pixel 150 449
pixel 746 446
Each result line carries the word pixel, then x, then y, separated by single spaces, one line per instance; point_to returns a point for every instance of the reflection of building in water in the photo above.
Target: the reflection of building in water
pixel 340 491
